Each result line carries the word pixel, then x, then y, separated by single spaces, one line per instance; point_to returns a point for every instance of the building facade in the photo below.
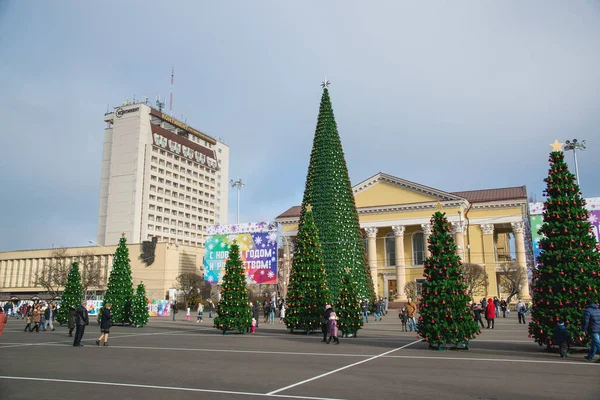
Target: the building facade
pixel 18 269
pixel 395 217
pixel 160 179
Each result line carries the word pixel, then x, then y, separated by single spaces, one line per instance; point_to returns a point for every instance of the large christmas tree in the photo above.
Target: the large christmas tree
pixel 568 267
pixel 234 312
pixel 445 315
pixel 308 292
pixel 348 307
pixel 72 295
pixel 139 314
pixel 119 292
pixel 329 191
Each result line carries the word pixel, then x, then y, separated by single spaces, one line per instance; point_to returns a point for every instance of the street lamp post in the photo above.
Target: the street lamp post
pixel 574 145
pixel 239 184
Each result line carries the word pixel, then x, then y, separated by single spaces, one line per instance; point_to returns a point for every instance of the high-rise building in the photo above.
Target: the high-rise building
pixel 161 179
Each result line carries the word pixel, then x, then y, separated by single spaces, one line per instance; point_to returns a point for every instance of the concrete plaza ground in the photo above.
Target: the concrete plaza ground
pixel 185 360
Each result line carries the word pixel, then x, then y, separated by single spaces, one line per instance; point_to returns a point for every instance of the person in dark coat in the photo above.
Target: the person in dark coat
pixel 591 326
pixel 477 311
pixel 174 310
pixel 561 337
pixel 71 320
pixel 325 321
pixel 105 323
pixel 256 311
pixel 81 320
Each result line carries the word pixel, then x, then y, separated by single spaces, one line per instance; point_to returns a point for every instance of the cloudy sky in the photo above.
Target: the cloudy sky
pixel 455 97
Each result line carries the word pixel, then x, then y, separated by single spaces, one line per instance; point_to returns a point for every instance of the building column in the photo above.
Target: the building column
pixel 458 228
pixel 426 233
pixel 400 267
pixel 372 256
pixel 518 229
pixel 489 258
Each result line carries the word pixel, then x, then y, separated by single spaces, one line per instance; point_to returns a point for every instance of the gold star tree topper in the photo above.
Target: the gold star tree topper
pixel 557 146
pixel 309 208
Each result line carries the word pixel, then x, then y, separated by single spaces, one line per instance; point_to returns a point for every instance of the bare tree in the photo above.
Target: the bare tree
pixel 475 277
pixel 91 270
pixel 194 288
pixel 54 273
pixel 410 289
pixel 512 277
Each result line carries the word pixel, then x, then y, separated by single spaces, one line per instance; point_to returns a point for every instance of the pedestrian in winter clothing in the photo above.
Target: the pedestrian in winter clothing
pixel 403 315
pixel 3 321
pixel 29 322
pixel 325 321
pixel 105 323
pixel 521 310
pixel 364 306
pixel 200 312
pixel 211 307
pixel 71 320
pixel 36 319
pixel 561 337
pixel 332 329
pixel 591 325
pixel 503 307
pixel 282 313
pixel 490 313
pixel 497 306
pixel 49 315
pixel 377 310
pixel 477 310
pixel 174 310
pixel 411 309
pixel 81 320
pixel 254 323
pixel 256 311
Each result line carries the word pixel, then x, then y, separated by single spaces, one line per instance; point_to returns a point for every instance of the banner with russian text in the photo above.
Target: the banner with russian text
pixel 258 251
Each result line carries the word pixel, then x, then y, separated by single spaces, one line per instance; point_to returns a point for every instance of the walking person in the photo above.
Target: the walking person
pixel 3 321
pixel 71 320
pixel 332 328
pixel 477 310
pixel 403 315
pixel 272 312
pixel 503 307
pixel 36 318
pixel 29 322
pixel 211 307
pixel 49 315
pixel 364 306
pixel 490 313
pixel 81 320
pixel 411 310
pixel 325 322
pixel 521 310
pixel 562 337
pixel 256 311
pixel 105 323
pixel 200 313
pixel 43 318
pixel 377 310
pixel 591 326
pixel 497 306
pixel 174 310
pixel 282 313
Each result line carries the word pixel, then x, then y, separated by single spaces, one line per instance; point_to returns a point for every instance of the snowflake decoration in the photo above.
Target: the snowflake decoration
pixel 272 238
pixel 273 259
pixel 210 246
pixel 223 244
pixel 262 272
pixel 258 240
pixel 592 219
pixel 270 274
pixel 538 226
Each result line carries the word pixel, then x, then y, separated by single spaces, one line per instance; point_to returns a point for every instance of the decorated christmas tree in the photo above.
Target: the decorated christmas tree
pixel 329 191
pixel 568 267
pixel 308 292
pixel 119 292
pixel 139 314
pixel 348 308
pixel 234 313
pixel 72 295
pixel 445 315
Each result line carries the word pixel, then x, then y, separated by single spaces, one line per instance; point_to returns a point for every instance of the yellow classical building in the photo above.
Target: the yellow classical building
pixel 395 217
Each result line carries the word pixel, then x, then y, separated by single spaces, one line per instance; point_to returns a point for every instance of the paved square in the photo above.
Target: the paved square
pixel 182 360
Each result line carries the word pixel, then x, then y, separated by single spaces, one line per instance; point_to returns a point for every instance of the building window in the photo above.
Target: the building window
pixel 390 249
pixel 419 284
pixel 418 242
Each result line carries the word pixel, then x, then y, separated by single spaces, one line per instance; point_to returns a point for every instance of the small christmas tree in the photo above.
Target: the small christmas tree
pixel 329 191
pixel 72 295
pixel 348 307
pixel 308 292
pixel 120 285
pixel 140 307
pixel 233 310
pixel 568 270
pixel 445 315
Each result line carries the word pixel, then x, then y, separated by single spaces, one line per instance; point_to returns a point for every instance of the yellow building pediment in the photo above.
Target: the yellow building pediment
pixel 384 190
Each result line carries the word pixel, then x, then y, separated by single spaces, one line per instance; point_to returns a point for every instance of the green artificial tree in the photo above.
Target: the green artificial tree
pixel 329 191
pixel 568 267
pixel 308 292
pixel 445 315
pixel 119 292
pixel 140 313
pixel 348 307
pixel 233 310
pixel 72 296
